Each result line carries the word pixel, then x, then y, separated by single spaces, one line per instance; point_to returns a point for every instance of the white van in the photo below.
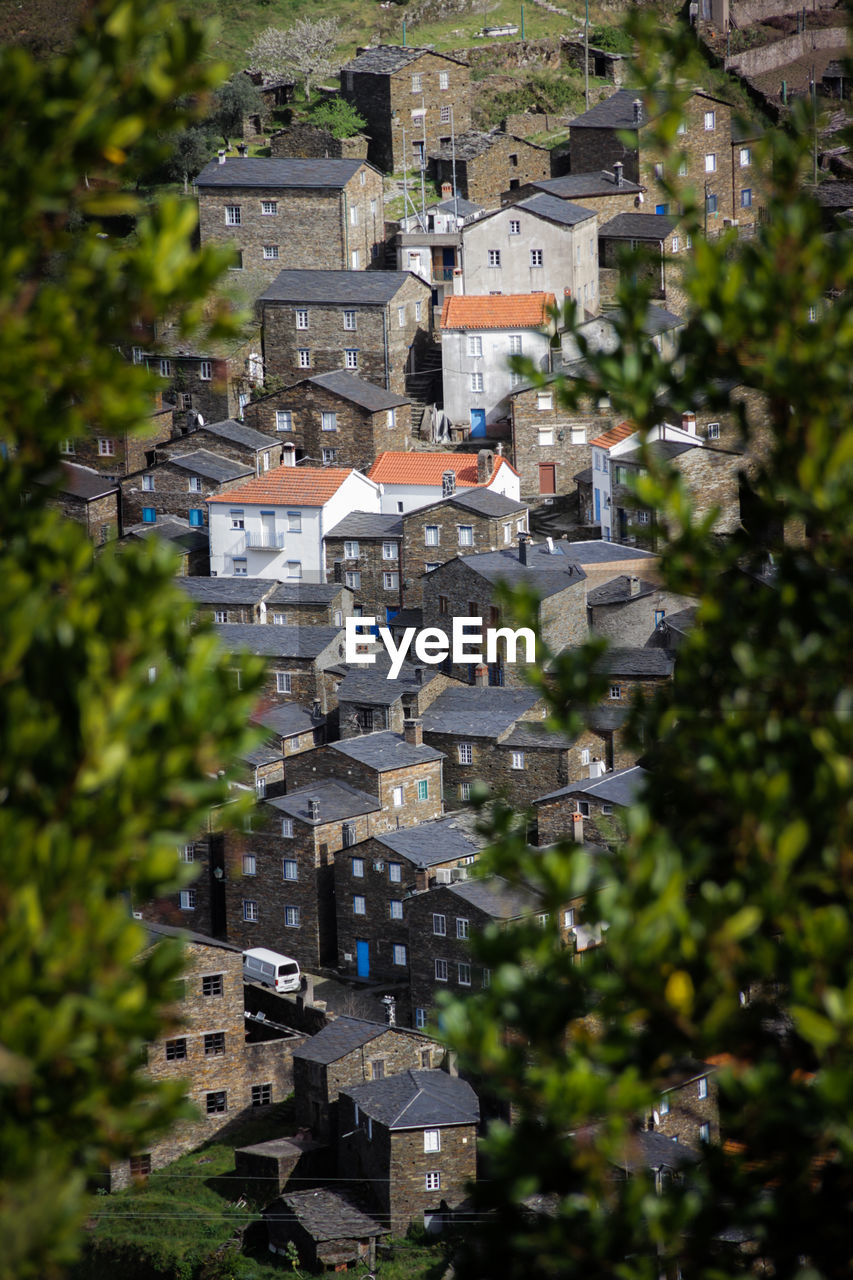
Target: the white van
pixel 273 970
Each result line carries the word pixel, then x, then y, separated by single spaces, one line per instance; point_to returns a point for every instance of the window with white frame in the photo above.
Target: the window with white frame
pixel 569 918
pixel 515 380
pixel 301 318
pixel 289 869
pixel 353 215
pixel 465 534
pixel 420 1017
pixel 397 797
pixel 462 927
pixel 431 535
pixel 67 447
pixel 514 227
pixel 283 420
pixel 294 521
pixel 250 910
pixel 294 568
pixel 416 83
pixel 546 436
pixel 304 358
pixel 432 1140
pixel 432 1181
pixel 745 157
pixel 713 431
pixel 444 79
pixel 441 970
pixel 287 828
pixel 352 579
pixel 349 320
pixel 148 484
pixel 291 917
pixel 106 448
pixel 439 925
pixel 250 865
pixel 390 551
pixel 537 257
pixel 475 345
pixel 544 400
pixel 186 853
pixel 351 358
pixel 493 257
pixel 232 215
pixel 269 208
pixel 585 755
pixel 359 904
pixel 463 974
pixel 582 807
pixel 329 421
pixel 357 867
pixel 351 550
pixel 705 1132
pixel 464 790
pixel 395 872
pixel 711 162
pixel 615 692
pixel 270 252
pixel 515 344
pixel 395 910
pixel 283 682
pixel 401 317
pixel 241 567
pixel 390 581
pixel 205 370
pixel 187 900
pixel 466 753
pixel 399 954
pixel 710 121
pixel 444 115
pixel 476 382
pixel 703 1087
pixel 517 760
pixel 355 260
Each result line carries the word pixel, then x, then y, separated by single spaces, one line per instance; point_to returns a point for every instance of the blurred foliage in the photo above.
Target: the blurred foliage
pixel 737 873
pixel 115 716
pixel 339 116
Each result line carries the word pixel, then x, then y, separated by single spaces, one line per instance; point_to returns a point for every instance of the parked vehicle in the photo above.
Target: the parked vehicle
pixel 272 969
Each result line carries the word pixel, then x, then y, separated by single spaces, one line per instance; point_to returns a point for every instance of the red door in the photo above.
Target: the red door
pixel 547 477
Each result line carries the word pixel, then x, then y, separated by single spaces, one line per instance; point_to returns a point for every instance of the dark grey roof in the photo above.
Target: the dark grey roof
pixel 324 1214
pixel 238 433
pixel 339 1038
pixel 636 662
pixel 260 172
pixel 80 482
pixel 496 897
pixel 277 642
pixel 264 754
pixel 556 210
pixel 664 450
pixel 620 787
pixel 247 591
pixel 385 59
pixel 365 288
pixel 463 208
pixel 443 840
pixel 574 186
pixel 476 712
pixel 288 719
pixel 535 735
pixel 417 1100
pixel 360 392
pixel 305 593
pixel 832 195
pixel 385 750
pixel 597 551
pixel 637 226
pixel 484 502
pixel 604 719
pixel 211 465
pixel 616 112
pixel 618 590
pixel 338 801
pixel 371 683
pixel 471 143
pixel 648 1150
pixel 545 573
pixel 659 320
pixel 683 621
pixel 172 529
pixel 367 524
pixel 175 931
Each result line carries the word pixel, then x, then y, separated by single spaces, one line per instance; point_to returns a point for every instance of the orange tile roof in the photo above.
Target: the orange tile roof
pixel 295 486
pixel 497 311
pixel 428 468
pixel 614 435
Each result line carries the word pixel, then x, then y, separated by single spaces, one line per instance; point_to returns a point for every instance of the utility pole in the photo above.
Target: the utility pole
pixel 586 57
pixel 814 124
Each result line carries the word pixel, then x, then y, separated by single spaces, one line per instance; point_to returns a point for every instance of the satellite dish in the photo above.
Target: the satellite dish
pixel 199 419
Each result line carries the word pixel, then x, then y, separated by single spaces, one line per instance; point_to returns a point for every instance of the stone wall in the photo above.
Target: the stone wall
pixel 374 925
pixel 100 517
pixel 171 494
pixel 118 455
pixel 306 680
pixel 487 534
pixel 427 946
pixel 201 438
pixel 507 164
pixel 686 1112
pixel 371 595
pixel 509 54
pixel 306 141
pixel 326 762
pixel 604 65
pixel 769 57
pixel 568 455
pixel 630 622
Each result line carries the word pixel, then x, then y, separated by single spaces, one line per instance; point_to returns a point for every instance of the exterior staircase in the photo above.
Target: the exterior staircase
pixel 424 389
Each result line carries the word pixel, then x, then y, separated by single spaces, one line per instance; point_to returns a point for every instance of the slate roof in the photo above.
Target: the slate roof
pixel 554 209
pixel 636 662
pixel 288 719
pixel 336 288
pixel 496 897
pixel 367 524
pixel 637 226
pixel 238 433
pixel 832 195
pixel 339 1038
pixel 497 311
pixel 614 436
pixel 616 112
pixel 485 502
pixel 370 683
pixel 360 392
pixel 574 186
pixel 462 208
pixel 173 529
pixel 665 450
pixel 304 592
pixel 648 1150
pixel 80 482
pixel 338 801
pixel 324 1214
pixel 246 591
pixel 683 621
pixel 264 754
pixel 276 642
pixel 620 787
pixel 476 712
pixel 385 59
pixel 428 468
pixel 211 465
pixel 259 172
pixel 417 1100
pixel 545 573
pixel 597 551
pixel 384 750
pixel 176 931
pixel 443 840
pixel 533 734
pixel 618 590
pixel 290 486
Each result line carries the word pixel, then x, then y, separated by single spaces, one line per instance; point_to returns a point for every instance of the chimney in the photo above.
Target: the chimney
pixel 634 585
pixel 421 880
pixel 596 769
pixel 458 288
pixel 522 548
pixel 314 809
pixel 688 422
pixel 338 571
pixel 617 172
pixel 419 675
pixel 413 732
pixel 390 1010
pixel 481 676
pixel 638 111
pixel 485 466
pixel 221 155
pixel 577 828
pixel 316 711
pixel 448 483
pixel 242 150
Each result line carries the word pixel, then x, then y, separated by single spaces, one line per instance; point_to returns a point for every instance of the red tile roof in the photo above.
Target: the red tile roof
pixel 614 435
pixel 295 486
pixel 428 468
pixel 497 311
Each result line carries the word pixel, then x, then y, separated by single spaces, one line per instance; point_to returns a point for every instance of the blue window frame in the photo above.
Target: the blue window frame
pixel 149 515
pixel 196 517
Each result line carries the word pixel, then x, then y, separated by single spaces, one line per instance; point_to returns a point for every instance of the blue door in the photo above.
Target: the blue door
pixel 478 422
pixel 362 956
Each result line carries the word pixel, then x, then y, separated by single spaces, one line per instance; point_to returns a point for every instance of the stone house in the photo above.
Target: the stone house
pixel 261 600
pixel 672 631
pixel 118 455
pixel 658 236
pixel 292 728
pixel 589 810
pixel 206 1048
pixel 189 546
pixel 227 599
pixel 368 700
pixel 550 442
pixel 295 659
pixel 628 609
pixel 284 215
pixel 374 883
pixel 329 1229
pixel 712 476
pixel 231 438
pixel 412 1140
pixel 412 100
pixel 601 561
pixel 336 418
pixel 687 1109
pixel 609 498
pixel 412 480
pixel 263 769
pixel 179 486
pixel 487 164
pixel 205 377
pixel 430 243
pixel 348 1052
pixel 362 551
pixel 464 588
pixel 630 672
pixel 273 526
pixel 375 324
pixel 470 520
pixel 607 192
pixel 88 498
pixel 303 140
pixel 479 334
pixel 541 244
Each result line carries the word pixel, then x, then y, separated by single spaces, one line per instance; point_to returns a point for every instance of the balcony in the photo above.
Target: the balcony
pixel 265 540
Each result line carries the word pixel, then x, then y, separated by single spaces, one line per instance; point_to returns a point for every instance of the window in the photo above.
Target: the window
pixel 745 157
pixel 358 868
pixel 355 260
pixel 250 910
pixel 544 400
pixel 294 521
pixel 176 1050
pixel 441 970
pixel 537 257
pixel 443 604
pixel 140 1166
pixel 675 244
pixel 658 171
pixel 746 198
pixel 705 1132
pixel 137 355
pixel 352 579
pixel 289 869
pixel 444 79
pixel 106 448
pixel 514 227
pixel 513 160
pixel 188 899
pixel 713 430
pixel 663 1109
pixel 546 437
pixel 439 925
pixel 423 789
pixel 463 973
pixel 466 753
pixel 329 421
pixel 569 918
pixel 283 420
pixel 399 953
pixel 270 251
pixel 420 1017
pixel 249 864
pixel 390 581
pixel 261 1095
pixel 682 168
pixel 353 215
pixel 476 382
pixel 416 84
pixel 390 551
pixel 711 162
pixel 444 115
pixel 711 203
pixel 294 568
pixel 291 917
pixel 214 1044
pixel 301 318
pixel 67 446
pixel 542 920
pixel 212 984
pixel 395 910
pixel 194 484
pixel 401 317
pixel 269 208
pixel 148 484
pixel 615 692
pixel 395 872
pixel 431 535
pixel 515 344
pixel 582 807
pixel 216 1103
pixel 232 215
pixel 283 682
pixel 304 358
pixel 710 121
pixel 461 927
pixel 351 358
pixel 466 535
pixel 287 828
pixel 517 760
pixel 186 853
pixel 238 520
pixel 432 1140
pixel 349 320
pixel 606 808
pixel 475 345
pixel 494 257
pixel 703 1087
pixel 359 906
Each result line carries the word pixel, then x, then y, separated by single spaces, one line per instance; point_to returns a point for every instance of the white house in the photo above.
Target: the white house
pixel 412 480
pixel 615 443
pixel 542 244
pixel 273 526
pixel 479 333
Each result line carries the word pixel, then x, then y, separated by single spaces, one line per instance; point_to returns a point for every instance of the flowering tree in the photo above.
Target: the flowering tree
pixel 306 49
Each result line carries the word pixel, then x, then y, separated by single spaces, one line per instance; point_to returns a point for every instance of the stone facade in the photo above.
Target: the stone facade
pixel 307 681
pixel 688 1110
pixel 99 515
pixel 412 90
pixel 361 711
pixel 628 611
pixel 384 344
pixel 116 456
pixel 305 141
pixel 333 762
pixel 712 477
pixel 260 456
pixel 601 823
pixel 550 443
pixel 371 571
pixel 174 488
pixel 444 530
pixel 211 377
pixel 487 164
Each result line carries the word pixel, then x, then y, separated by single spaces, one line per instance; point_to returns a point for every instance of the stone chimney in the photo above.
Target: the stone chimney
pixel 413 732
pixel 485 466
pixel 316 710
pixel 522 548
pixel 314 809
pixel 242 150
pixel 421 879
pixel 481 676
pixel 577 828
pixel 634 585
pixel 419 675
pixel 390 1010
pixel 458 289
pixel 617 173
pixel 688 422
pixel 638 111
